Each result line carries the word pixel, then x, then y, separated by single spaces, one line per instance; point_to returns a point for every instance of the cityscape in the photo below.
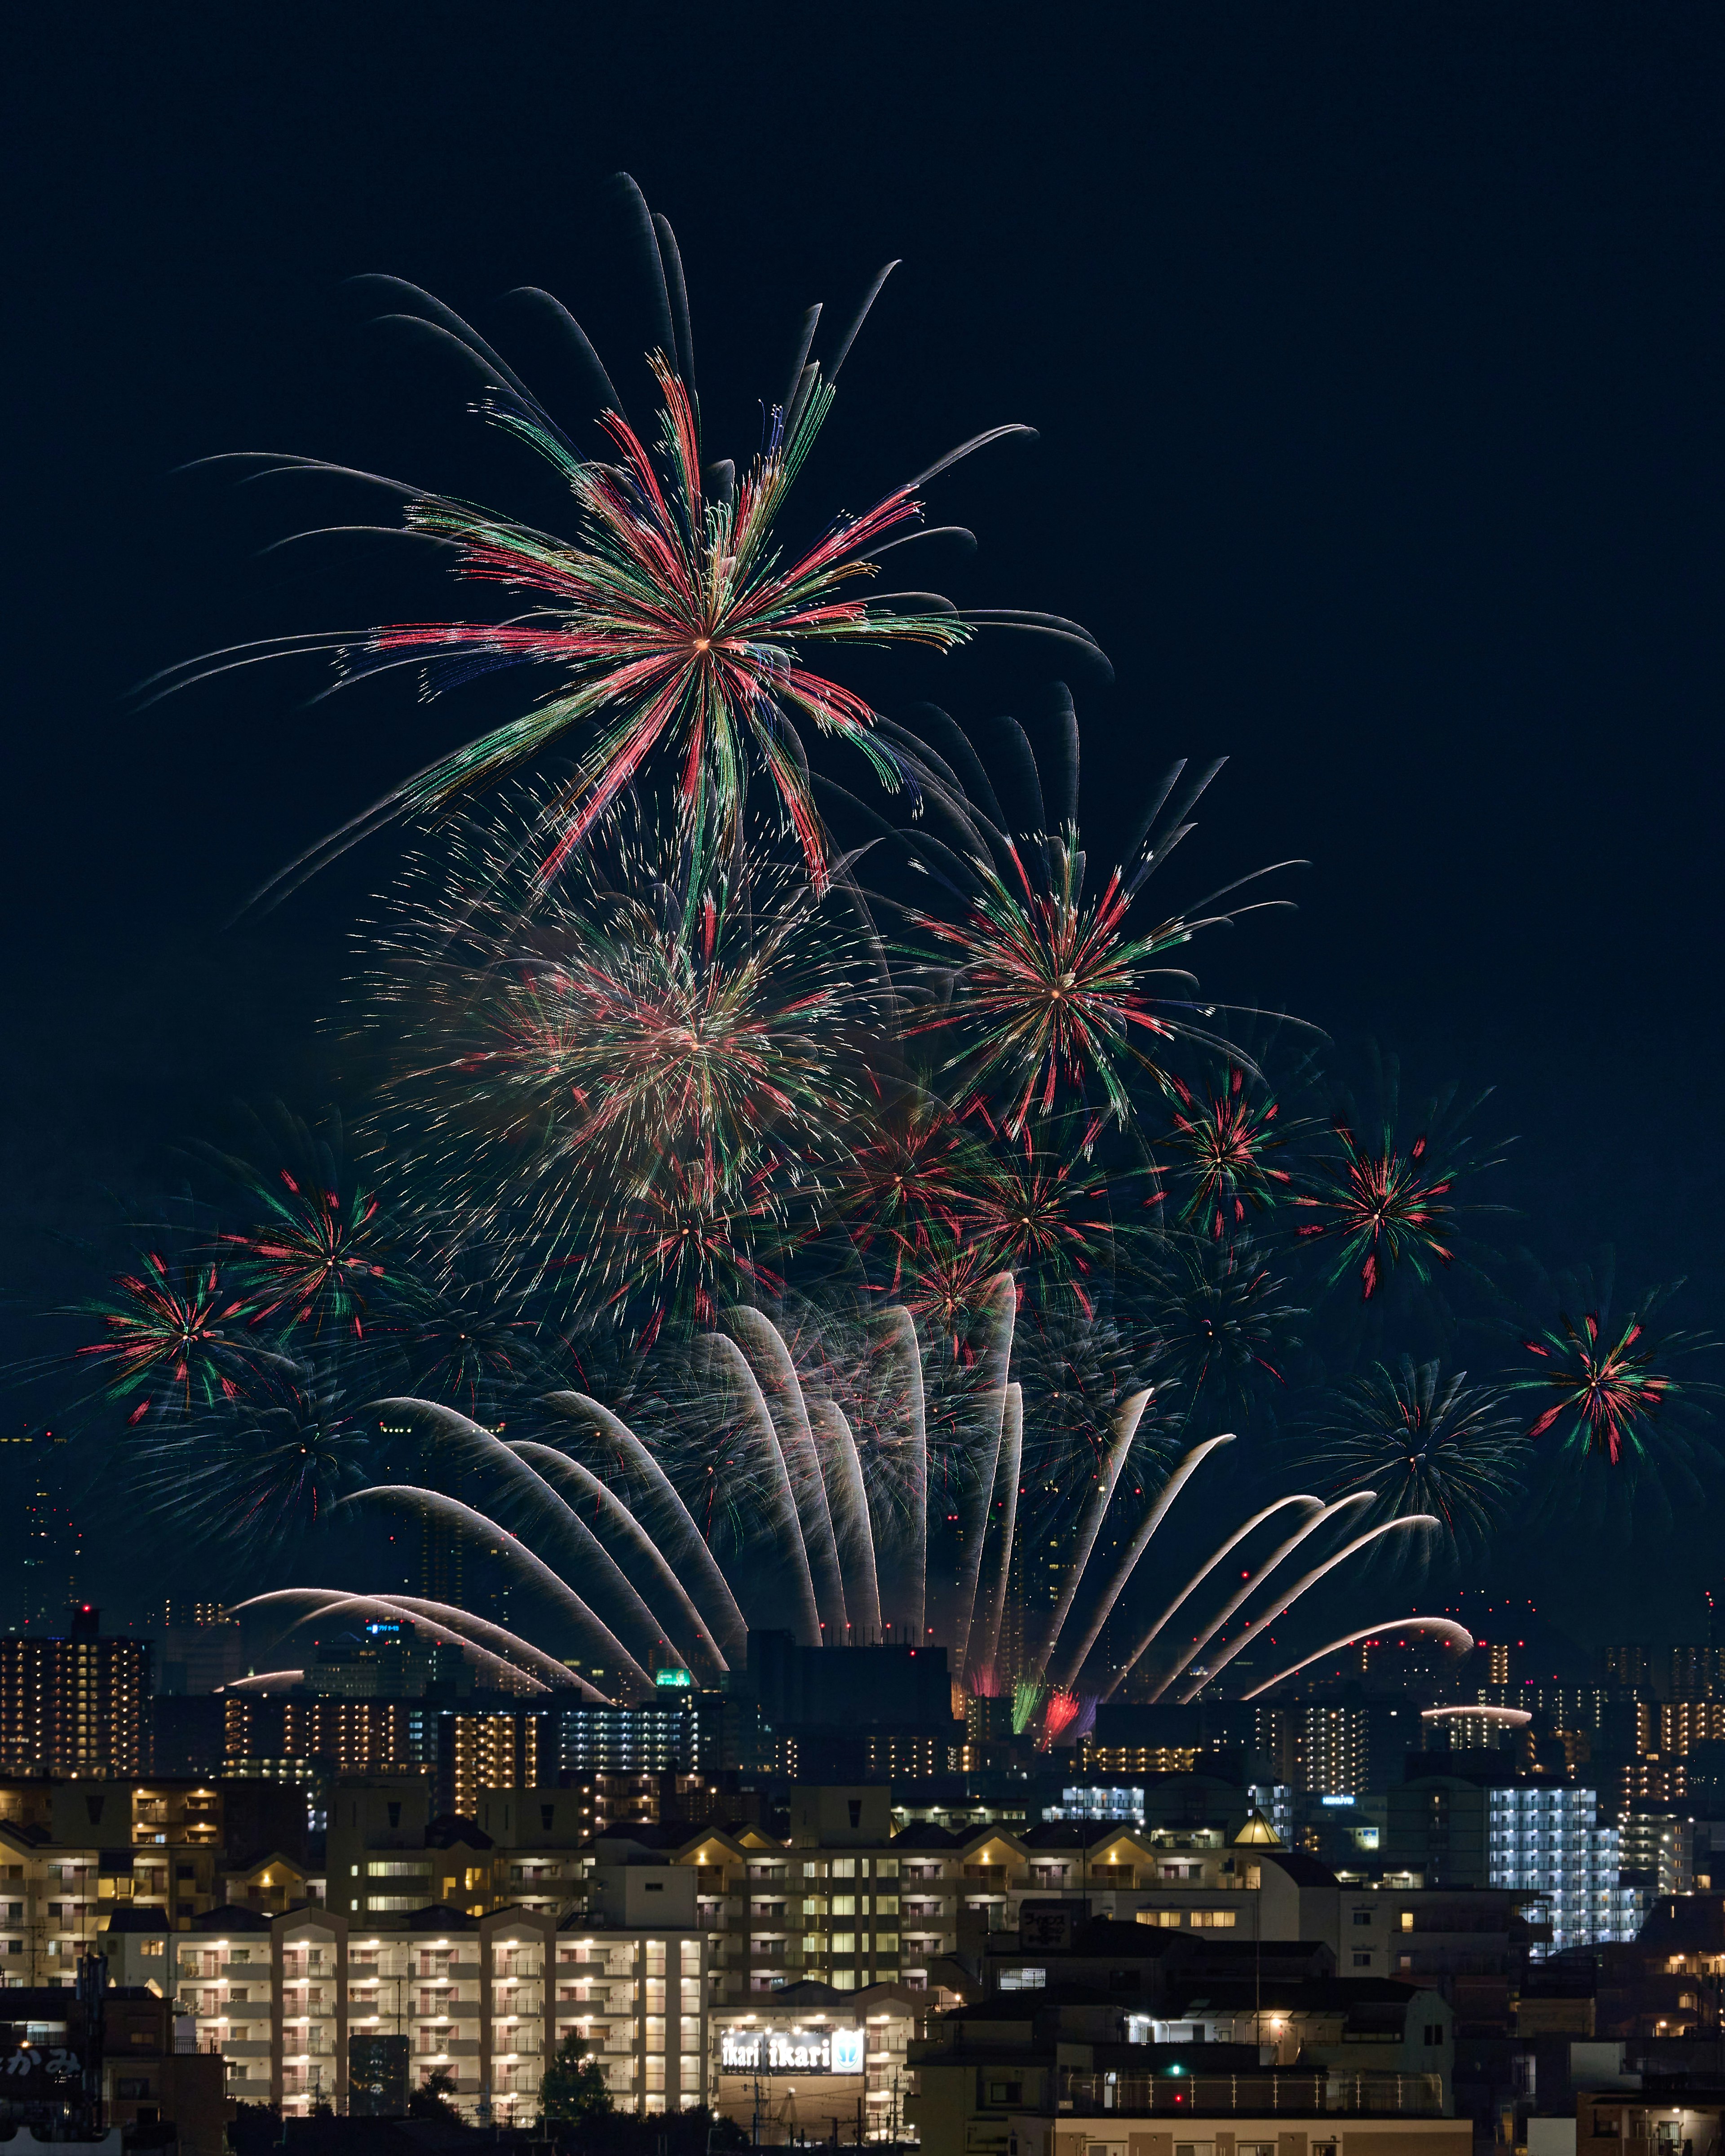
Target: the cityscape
pixel 858 1287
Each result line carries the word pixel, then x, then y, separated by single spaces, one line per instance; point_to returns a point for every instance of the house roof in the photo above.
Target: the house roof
pixel 924 1834
pixel 230 1918
pixel 1303 1869
pixel 449 1830
pixel 145 1920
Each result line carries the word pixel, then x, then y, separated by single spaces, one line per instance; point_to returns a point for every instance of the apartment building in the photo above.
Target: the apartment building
pixel 72 1705
pixel 482 1998
pixel 1048 2075
pixel 73 1853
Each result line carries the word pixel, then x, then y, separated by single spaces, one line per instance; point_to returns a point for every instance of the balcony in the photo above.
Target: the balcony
pixel 1292 2095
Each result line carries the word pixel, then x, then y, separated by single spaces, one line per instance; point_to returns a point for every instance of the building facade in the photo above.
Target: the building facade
pixel 74 1704
pixel 1549 1842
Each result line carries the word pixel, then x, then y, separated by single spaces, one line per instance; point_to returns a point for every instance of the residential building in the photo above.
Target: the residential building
pixel 484 1999
pixel 1549 1841
pixel 486 1742
pixel 1684 1722
pixel 72 1853
pixel 73 1704
pixel 1047 2074
pixel 1656 1846
pixel 1335 1749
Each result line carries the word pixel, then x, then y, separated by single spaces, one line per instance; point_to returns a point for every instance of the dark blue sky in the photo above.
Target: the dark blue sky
pixel 1376 355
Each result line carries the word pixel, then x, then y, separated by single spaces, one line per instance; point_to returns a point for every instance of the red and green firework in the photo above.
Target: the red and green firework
pixel 1601 1382
pixel 315 1258
pixel 175 1335
pixel 1385 1204
pixel 1224 1140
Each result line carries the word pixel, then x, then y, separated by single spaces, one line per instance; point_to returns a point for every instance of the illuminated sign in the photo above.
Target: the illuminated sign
pixel 674 1680
pixel 791 2050
pixel 1335 1800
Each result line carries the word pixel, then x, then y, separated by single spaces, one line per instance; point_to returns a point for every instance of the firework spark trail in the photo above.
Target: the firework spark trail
pixel 847 1495
pixel 1089 1525
pixel 1002 1293
pixel 837 1508
pixel 1184 1470
pixel 775 1377
pixel 909 1585
pixel 1285 1602
pixel 782 1496
pixel 1253 1579
pixel 686 1546
pixel 1197 1578
pixel 514 1552
pixel 591 1553
pixel 1008 1469
pixel 1452 1634
pixel 328 1602
pixel 550 1462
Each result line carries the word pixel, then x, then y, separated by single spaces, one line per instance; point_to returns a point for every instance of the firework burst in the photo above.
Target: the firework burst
pixel 642 1080
pixel 1052 1000
pixel 252 1477
pixel 1223 1324
pixel 1422 1442
pixel 1390 1201
pixel 174 1337
pixel 1607 1382
pixel 1224 1140
pixel 673 621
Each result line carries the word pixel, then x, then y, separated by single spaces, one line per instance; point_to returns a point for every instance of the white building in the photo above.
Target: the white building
pixel 1549 1842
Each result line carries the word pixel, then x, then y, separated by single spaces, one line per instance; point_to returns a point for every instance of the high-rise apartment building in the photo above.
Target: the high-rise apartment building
pixel 1335 1749
pixel 463 1748
pixel 48 1554
pixel 1550 1842
pixel 1630 1664
pixel 72 1705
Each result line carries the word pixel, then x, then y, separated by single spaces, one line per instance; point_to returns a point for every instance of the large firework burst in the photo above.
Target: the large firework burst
pixel 1424 1442
pixel 673 619
pixel 651 1064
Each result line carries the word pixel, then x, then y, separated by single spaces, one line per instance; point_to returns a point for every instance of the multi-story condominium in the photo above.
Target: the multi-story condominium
pixel 1657 1843
pixel 851 1906
pixel 485 1999
pixel 72 1705
pixel 1549 1841
pixel 72 1853
pixel 477 1745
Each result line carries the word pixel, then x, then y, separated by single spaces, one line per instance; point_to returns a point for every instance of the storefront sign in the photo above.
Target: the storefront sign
pixel 791 2051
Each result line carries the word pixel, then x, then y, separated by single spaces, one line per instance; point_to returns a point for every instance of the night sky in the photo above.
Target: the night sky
pixel 1376 357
